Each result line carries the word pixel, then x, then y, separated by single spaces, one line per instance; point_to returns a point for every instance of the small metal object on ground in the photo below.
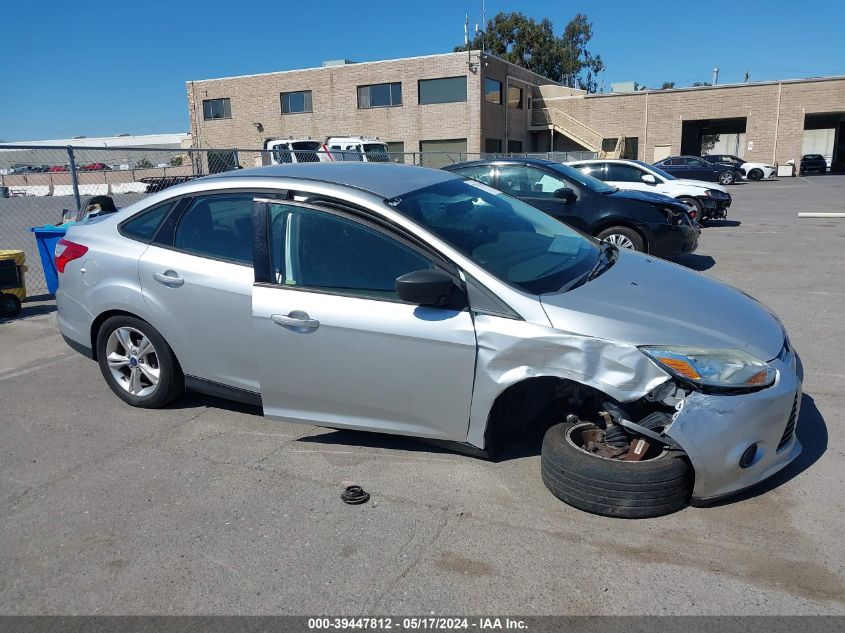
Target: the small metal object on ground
pixel 354 495
pixel 814 214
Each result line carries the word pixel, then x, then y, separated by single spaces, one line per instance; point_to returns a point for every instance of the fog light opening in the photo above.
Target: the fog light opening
pixel 748 456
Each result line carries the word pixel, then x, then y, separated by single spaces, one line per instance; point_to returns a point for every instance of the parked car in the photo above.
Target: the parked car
pixel 357 148
pixel 695 168
pixel 58 168
pixel 406 300
pixel 751 171
pixel 643 222
pixel 95 167
pixel 706 200
pixel 294 150
pixel 812 162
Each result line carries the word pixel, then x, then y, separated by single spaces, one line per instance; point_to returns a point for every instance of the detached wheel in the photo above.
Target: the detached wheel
pixel 623 237
pixel 657 485
pixel 755 174
pixel 10 305
pixel 137 363
pixel 727 178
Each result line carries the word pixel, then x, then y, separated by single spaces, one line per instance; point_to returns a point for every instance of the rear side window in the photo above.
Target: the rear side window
pixel 144 225
pixel 617 172
pixel 219 227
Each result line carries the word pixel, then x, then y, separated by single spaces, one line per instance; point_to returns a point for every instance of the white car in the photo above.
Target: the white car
pixel 706 200
pixel 751 171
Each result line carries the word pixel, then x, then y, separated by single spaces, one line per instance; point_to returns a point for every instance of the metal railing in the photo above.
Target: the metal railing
pixel 568 125
pixel 37 183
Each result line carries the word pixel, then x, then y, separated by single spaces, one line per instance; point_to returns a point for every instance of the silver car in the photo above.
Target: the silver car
pixel 405 300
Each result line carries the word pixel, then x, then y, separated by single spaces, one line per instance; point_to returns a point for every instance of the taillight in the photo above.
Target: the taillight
pixel 66 251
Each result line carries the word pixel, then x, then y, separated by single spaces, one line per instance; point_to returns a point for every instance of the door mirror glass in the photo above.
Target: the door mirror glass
pixel 430 288
pixel 649 179
pixel 566 194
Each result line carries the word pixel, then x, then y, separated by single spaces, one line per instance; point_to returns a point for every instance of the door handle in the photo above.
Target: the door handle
pixel 296 321
pixel 173 279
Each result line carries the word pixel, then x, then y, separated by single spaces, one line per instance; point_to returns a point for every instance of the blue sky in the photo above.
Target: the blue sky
pixel 94 67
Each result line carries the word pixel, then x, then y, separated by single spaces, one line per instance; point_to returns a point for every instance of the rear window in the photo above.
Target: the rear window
pixel 143 226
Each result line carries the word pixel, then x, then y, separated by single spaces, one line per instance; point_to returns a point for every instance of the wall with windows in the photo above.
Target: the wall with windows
pixel 403 101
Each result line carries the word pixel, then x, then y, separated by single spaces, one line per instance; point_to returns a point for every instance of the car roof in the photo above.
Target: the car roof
pixel 503 161
pixel 382 179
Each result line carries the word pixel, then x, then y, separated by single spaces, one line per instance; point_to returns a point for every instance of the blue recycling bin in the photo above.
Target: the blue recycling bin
pixel 46 237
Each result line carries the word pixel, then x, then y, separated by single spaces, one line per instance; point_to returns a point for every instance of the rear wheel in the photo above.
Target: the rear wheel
pixel 727 178
pixel 755 174
pixel 659 484
pixel 137 363
pixel 623 237
pixel 10 305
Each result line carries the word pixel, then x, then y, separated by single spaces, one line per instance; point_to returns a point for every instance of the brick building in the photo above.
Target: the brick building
pixel 468 102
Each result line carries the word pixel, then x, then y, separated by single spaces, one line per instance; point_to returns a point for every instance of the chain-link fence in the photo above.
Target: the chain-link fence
pixel 38 183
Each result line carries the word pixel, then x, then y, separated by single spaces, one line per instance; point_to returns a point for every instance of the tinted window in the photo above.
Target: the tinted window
pixel 447 90
pixel 492 91
pixel 596 170
pixel 529 182
pixel 293 102
pixel 514 97
pixel 619 172
pixel 216 109
pixel 145 225
pixel 510 239
pixel 336 254
pixel 380 95
pixel 218 226
pixel 697 162
pixel 481 173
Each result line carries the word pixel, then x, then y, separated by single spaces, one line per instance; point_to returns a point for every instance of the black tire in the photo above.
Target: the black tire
pixel 696 205
pixel 613 488
pixel 727 178
pixel 637 241
pixel 755 174
pixel 171 382
pixel 10 305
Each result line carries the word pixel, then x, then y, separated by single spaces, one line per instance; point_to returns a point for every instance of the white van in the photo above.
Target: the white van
pixel 357 148
pixel 294 150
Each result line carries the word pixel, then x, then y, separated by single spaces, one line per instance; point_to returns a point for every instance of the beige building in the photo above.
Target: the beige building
pixel 468 102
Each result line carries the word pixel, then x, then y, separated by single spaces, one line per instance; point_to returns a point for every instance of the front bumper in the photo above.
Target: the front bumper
pixel 716 204
pixel 715 430
pixel 670 240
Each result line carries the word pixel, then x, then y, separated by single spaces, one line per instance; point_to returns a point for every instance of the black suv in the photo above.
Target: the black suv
pixel 647 222
pixel 813 162
pixel 695 168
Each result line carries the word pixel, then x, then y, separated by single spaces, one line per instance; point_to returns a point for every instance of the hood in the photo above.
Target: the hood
pixel 643 300
pixel 654 198
pixel 699 183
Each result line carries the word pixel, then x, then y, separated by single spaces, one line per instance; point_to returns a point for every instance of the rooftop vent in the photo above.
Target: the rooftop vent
pixel 337 62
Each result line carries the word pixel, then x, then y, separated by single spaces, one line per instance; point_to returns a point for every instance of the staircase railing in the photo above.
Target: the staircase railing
pixel 570 126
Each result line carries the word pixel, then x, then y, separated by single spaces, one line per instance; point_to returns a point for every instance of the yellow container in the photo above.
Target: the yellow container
pixel 20 259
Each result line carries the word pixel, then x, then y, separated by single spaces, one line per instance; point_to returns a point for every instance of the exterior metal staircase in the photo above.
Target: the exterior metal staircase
pixel 554 119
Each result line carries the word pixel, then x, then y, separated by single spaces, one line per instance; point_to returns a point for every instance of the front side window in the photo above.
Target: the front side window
pixel 515 97
pixel 325 252
pixel 446 90
pixel 380 96
pixel 481 173
pixel 216 109
pixel 618 172
pixel 529 182
pixel 508 238
pixel 217 226
pixel 492 91
pixel 144 225
pixel 296 102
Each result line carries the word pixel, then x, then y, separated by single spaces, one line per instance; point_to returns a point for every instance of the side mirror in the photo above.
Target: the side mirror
pixel 566 194
pixel 649 179
pixel 430 288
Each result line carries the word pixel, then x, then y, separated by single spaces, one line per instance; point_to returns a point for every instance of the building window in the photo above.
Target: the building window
pixel 515 97
pixel 446 90
pixel 492 146
pixel 514 147
pixel 444 152
pixel 294 102
pixel 492 91
pixel 216 109
pixel 380 96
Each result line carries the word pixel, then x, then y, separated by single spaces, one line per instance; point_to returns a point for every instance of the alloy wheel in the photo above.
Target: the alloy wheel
pixel 620 241
pixel 133 361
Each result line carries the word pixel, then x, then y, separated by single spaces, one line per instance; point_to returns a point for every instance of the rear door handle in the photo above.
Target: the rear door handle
pixel 169 278
pixel 296 321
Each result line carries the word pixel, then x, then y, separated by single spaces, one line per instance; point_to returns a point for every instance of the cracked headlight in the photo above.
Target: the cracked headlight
pixel 719 368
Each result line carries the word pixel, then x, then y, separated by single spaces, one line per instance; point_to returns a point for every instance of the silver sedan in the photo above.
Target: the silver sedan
pixel 406 300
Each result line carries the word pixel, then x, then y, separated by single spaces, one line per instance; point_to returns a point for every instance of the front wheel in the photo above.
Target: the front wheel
pixel 10 305
pixel 137 363
pixel 727 178
pixel 623 237
pixel 755 174
pixel 696 208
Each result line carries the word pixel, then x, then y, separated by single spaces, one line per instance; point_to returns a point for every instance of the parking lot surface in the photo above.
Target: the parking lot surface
pixel 208 508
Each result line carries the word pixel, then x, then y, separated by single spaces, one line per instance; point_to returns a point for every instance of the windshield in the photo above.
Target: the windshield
pixel 656 170
pixel 593 184
pixel 511 240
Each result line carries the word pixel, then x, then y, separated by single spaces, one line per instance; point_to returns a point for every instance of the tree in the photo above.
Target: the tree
pixel 533 45
pixel 667 85
pixel 176 161
pixel 143 164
